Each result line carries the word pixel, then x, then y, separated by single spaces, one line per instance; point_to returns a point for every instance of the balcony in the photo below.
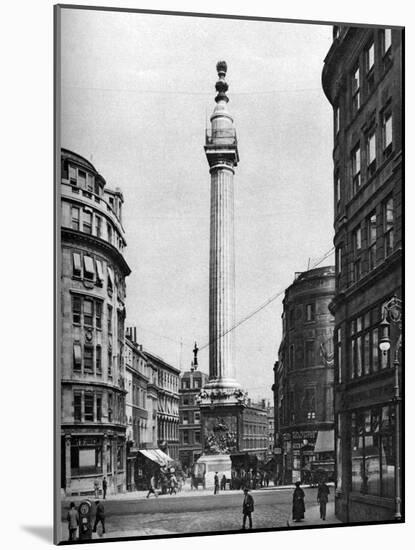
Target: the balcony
pixel 222 137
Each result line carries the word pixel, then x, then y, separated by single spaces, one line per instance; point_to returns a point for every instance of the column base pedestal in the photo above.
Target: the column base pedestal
pixel 215 463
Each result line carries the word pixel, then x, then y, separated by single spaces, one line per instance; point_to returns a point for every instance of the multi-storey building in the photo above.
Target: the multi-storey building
pixel 92 305
pixel 191 383
pixel 304 374
pixel 167 405
pixel 362 79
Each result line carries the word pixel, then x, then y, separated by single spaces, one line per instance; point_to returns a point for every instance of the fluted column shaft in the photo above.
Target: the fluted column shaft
pixel 222 274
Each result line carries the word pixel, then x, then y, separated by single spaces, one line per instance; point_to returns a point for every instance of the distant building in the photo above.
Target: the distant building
pixel 362 79
pixel 167 405
pixel 92 305
pixel 191 384
pixel 304 376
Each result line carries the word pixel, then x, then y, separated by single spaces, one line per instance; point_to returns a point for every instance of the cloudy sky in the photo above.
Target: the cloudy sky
pixel 137 90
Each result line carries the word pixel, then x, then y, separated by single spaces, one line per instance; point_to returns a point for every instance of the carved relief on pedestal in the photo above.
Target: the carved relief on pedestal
pixel 220 435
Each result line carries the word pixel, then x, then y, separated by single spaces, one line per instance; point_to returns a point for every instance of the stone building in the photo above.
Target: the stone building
pixel 304 375
pixel 141 406
pixel 362 79
pixel 167 405
pixel 191 383
pixel 92 305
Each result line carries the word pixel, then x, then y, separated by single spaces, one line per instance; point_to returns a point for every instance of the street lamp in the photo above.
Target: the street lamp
pixel 392 310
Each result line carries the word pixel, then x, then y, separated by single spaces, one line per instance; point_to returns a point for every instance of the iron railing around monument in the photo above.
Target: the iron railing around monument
pixel 221 136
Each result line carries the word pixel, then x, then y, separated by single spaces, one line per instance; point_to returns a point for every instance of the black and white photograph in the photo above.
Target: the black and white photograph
pixel 229 298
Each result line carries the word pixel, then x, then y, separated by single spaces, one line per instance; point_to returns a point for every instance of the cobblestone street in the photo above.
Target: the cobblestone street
pixel 198 513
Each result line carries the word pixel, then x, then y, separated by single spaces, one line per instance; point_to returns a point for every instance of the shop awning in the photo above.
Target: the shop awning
pixel 156 456
pixel 324 441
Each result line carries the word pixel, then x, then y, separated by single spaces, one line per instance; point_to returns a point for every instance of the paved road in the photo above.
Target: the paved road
pixel 203 513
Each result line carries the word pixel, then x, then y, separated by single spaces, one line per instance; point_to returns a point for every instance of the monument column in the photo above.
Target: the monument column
pixel 221 399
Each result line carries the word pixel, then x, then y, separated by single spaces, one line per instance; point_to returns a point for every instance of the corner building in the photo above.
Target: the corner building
pixel 93 272
pixel 362 79
pixel 304 377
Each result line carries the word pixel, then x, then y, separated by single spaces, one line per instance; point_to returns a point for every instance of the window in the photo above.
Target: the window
pixel 77 407
pixel 310 312
pixel 197 436
pixel 339 252
pixel 356 90
pixel 98 314
pixel 308 404
pixel 291 357
pixel 371 153
pixel 336 120
pixel 109 319
pixel 196 384
pixel 77 266
pixel 98 226
pixel 185 437
pixel 370 67
pixel 90 182
pixel 82 179
pixel 185 417
pixel 185 384
pixel 100 273
pixel 372 449
pixel 339 355
pixel 364 342
pixel 371 240
pixel 357 246
pixel 356 169
pixel 87 222
pixel 72 175
pixel 338 192
pixel 110 362
pixel 89 269
pixel 309 353
pixel 75 218
pixel 76 309
pixel 387 133
pixel 197 417
pixel 88 358
pixel 88 312
pixel 387 47
pixel 77 357
pixel 109 232
pixel 110 281
pixel 89 406
pixel 99 408
pixel 388 223
pixel 98 360
pixel 96 188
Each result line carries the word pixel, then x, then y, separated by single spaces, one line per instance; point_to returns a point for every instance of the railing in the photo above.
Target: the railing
pixel 221 136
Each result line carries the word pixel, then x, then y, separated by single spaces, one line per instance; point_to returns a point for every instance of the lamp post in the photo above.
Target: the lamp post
pixel 392 312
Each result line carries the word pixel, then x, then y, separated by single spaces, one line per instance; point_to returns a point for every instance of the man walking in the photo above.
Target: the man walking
pixel 152 487
pixel 247 508
pixel 323 497
pixel 216 481
pixel 104 487
pixel 73 521
pixel 99 516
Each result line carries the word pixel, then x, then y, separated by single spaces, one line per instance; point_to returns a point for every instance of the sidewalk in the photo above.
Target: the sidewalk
pixel 312 517
pixel 185 492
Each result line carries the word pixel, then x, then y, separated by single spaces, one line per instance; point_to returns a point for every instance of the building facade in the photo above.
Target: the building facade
pixel 167 405
pixel 362 79
pixel 93 271
pixel 304 376
pixel 191 384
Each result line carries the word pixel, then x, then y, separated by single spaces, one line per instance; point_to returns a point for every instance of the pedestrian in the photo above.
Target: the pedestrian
pixel 152 487
pixel 223 483
pixel 104 487
pixel 96 488
pixel 247 508
pixel 323 497
pixel 73 521
pixel 216 481
pixel 298 503
pixel 99 516
pixel 172 484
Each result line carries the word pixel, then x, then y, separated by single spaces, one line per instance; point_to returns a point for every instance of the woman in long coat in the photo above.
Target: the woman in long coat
pixel 298 503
